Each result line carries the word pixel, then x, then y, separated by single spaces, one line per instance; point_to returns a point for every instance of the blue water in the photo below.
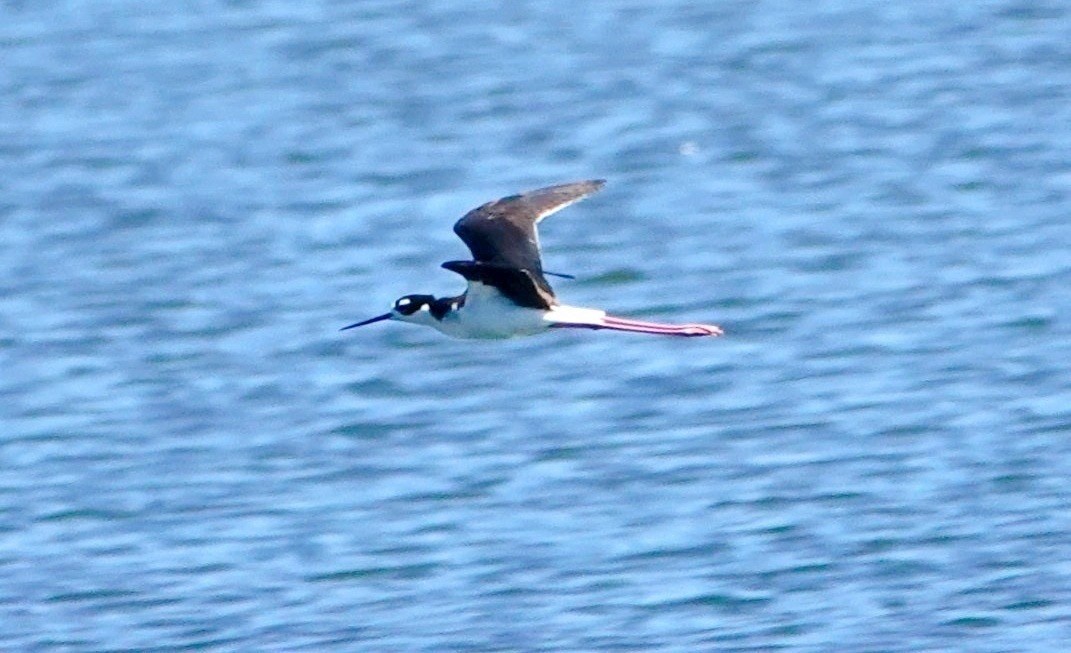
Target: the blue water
pixel 872 197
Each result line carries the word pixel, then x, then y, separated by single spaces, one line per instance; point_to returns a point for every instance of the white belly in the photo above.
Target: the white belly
pixel 488 315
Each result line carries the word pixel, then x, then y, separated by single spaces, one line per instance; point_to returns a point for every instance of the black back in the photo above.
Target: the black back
pixel 522 287
pixel 503 232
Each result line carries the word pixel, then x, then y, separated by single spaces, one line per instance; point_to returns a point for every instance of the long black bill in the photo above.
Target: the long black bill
pixel 558 274
pixel 378 318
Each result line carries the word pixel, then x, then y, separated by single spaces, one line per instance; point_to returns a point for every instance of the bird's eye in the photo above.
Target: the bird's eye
pixel 406 306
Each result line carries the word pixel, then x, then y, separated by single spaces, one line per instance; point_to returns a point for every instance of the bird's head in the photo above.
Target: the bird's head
pixel 410 308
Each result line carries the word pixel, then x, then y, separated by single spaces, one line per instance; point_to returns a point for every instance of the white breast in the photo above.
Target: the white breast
pixel 488 314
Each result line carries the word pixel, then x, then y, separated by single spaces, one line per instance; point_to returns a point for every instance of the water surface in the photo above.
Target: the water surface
pixel 872 198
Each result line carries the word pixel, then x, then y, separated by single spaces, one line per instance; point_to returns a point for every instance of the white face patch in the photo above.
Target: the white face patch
pixel 425 307
pixel 404 301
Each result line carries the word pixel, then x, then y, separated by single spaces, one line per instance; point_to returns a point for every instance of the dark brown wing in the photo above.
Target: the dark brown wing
pixel 522 287
pixel 503 232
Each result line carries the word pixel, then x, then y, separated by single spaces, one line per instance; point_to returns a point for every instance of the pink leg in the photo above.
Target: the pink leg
pixel 636 326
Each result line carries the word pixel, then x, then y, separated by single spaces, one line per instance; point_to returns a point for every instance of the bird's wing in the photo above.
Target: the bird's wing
pixel 522 287
pixel 503 232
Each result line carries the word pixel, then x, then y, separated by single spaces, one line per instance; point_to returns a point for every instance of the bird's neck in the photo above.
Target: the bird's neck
pixel 443 305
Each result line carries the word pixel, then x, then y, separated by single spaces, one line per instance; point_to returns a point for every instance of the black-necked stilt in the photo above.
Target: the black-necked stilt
pixel 507 294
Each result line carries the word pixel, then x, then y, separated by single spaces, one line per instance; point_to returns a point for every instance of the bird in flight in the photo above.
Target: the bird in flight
pixel 508 294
